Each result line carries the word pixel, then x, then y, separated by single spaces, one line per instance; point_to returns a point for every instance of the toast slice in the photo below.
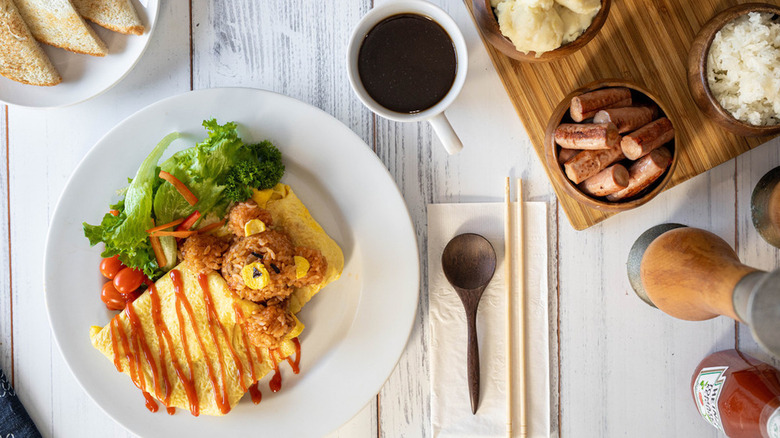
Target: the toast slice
pixel 57 23
pixel 117 15
pixel 21 58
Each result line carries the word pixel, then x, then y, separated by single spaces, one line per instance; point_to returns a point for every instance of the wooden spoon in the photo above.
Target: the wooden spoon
pixel 469 262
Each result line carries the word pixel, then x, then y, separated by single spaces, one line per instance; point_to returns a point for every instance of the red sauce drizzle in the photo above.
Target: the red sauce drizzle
pixel 254 391
pixel 276 380
pixel 220 397
pixel 138 334
pixel 205 287
pixel 112 327
pixel 211 311
pixel 189 387
pixel 296 365
pixel 247 350
pixel 133 366
pixel 151 403
pixel 163 336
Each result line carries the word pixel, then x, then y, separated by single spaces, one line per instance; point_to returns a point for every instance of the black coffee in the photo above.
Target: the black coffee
pixel 407 63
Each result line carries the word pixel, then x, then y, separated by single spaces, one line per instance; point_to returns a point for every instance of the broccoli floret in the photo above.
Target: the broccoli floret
pixel 266 152
pixel 262 170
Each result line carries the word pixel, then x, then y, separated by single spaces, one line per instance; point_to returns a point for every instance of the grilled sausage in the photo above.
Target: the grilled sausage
pixel 587 105
pixel 588 163
pixel 610 180
pixel 627 119
pixel 587 136
pixel 565 155
pixel 643 172
pixel 647 138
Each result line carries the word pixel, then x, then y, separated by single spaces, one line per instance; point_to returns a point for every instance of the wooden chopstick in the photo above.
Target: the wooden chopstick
pixel 520 236
pixel 515 235
pixel 508 283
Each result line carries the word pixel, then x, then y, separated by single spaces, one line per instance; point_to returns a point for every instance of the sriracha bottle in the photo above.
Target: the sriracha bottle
pixel 738 394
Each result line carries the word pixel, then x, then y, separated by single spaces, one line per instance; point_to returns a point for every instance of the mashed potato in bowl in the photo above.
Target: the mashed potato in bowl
pixel 543 25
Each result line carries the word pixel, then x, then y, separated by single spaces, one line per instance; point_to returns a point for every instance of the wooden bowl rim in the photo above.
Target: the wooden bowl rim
pixel 508 48
pixel 707 33
pixel 551 152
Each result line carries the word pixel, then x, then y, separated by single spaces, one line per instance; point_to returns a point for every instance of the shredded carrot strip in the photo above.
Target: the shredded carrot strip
pixel 164 226
pixel 159 254
pixel 181 234
pixel 210 227
pixel 180 187
pixel 114 212
pixel 189 222
pixel 158 251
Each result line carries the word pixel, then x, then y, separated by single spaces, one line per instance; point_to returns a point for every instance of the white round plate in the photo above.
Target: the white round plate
pixel 85 76
pixel 356 328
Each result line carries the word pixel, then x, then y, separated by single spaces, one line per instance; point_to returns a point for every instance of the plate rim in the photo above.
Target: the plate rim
pixel 104 90
pixel 367 151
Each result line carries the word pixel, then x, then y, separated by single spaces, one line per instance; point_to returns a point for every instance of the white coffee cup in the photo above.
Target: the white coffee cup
pixel 434 114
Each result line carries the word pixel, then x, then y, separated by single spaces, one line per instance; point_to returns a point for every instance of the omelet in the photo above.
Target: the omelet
pixel 207 363
pixel 183 342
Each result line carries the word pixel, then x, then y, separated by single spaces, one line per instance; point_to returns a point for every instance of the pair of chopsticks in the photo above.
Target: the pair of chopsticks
pixel 515 235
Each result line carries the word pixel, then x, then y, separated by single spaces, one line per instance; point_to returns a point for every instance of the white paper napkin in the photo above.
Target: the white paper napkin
pixel 450 406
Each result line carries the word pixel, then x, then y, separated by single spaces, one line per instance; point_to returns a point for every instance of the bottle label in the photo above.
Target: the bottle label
pixel 773 424
pixel 706 392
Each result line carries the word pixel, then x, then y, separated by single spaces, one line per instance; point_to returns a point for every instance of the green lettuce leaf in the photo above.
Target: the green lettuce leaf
pixel 125 234
pixel 202 169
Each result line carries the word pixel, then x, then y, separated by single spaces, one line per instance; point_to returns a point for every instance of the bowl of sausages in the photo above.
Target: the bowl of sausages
pixel 610 145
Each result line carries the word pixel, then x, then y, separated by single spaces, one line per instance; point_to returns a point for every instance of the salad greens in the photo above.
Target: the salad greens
pixel 262 171
pixel 218 171
pixel 125 234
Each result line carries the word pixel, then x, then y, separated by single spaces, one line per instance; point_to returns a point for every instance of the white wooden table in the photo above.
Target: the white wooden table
pixel 620 368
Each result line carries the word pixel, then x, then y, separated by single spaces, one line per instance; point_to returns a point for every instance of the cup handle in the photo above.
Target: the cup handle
pixel 446 134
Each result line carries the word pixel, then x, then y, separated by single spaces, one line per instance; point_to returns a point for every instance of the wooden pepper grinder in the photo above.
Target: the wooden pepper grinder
pixel 694 275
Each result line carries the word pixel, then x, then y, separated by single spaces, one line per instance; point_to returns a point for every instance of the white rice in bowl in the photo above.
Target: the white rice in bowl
pixel 743 68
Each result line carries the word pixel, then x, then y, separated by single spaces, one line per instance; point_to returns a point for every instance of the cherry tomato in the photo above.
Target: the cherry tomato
pixel 128 280
pixel 111 297
pixel 111 266
pixel 132 296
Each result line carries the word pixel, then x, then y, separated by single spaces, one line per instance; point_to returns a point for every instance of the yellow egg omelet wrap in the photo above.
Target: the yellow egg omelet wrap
pixel 209 342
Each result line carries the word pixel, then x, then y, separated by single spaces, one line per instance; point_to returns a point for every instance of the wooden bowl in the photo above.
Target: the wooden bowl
pixel 697 71
pixel 561 115
pixel 488 24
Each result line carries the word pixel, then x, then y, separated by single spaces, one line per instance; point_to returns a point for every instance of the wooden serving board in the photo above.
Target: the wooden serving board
pixel 647 42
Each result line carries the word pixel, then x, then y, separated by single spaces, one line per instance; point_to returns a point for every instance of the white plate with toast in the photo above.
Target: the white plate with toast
pixel 82 76
pixel 356 327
